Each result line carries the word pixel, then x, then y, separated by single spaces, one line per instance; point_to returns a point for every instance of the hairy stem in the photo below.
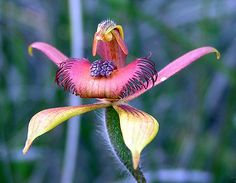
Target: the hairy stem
pixel 117 142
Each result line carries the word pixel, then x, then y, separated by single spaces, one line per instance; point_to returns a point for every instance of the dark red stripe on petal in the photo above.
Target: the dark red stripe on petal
pixel 63 77
pixel 132 110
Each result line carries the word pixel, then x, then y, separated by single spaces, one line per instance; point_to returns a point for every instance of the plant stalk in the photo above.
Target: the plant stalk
pixel 116 139
pixel 73 129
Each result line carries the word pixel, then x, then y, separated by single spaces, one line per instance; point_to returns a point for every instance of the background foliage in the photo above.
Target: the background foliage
pixel 195 109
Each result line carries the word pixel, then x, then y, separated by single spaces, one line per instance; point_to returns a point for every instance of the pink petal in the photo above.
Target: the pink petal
pixel 74 75
pixel 177 65
pixel 51 52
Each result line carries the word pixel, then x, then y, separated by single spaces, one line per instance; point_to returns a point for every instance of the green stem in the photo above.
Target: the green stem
pixel 117 142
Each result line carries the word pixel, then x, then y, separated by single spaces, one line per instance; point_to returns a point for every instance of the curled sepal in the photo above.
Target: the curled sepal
pixel 183 61
pixel 138 129
pixel 51 52
pixel 48 119
pixel 75 75
pixel 177 65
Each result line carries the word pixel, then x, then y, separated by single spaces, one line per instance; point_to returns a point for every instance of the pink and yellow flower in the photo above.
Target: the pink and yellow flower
pixel 112 82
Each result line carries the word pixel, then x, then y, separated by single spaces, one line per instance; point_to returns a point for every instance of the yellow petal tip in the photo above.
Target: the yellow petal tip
pixel 27 146
pixel 24 151
pixel 217 53
pixel 30 50
pixel 136 159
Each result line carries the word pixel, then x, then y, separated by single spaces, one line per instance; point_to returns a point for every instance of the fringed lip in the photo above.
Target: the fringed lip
pixel 74 75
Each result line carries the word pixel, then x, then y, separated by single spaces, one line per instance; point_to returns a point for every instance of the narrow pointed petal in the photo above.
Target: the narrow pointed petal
pixel 95 45
pixel 138 129
pixel 120 41
pixel 183 61
pixel 51 52
pixel 74 75
pixel 48 119
pixel 177 65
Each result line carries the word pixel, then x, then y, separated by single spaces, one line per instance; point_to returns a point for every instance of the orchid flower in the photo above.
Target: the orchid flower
pixel 112 82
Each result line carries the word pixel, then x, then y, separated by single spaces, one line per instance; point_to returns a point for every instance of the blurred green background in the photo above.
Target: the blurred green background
pixel 196 108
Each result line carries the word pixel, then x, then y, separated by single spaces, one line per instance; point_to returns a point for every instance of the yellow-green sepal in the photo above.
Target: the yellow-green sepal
pixel 138 129
pixel 48 119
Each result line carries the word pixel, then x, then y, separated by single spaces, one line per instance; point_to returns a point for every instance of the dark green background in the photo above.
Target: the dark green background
pixel 196 108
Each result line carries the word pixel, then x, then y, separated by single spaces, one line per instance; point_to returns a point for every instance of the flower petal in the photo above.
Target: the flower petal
pixel 138 129
pixel 109 43
pixel 48 119
pixel 51 52
pixel 176 66
pixel 183 62
pixel 74 75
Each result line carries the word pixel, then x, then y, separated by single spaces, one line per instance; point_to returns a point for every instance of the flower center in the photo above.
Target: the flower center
pixel 102 68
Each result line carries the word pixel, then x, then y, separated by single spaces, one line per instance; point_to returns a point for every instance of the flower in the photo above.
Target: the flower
pixel 112 82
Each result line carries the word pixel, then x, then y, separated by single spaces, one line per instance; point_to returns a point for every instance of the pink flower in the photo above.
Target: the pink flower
pixel 112 82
